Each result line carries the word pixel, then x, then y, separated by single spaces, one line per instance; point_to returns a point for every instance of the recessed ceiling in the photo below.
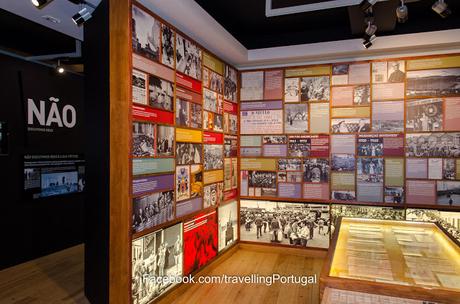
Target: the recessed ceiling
pixel 247 22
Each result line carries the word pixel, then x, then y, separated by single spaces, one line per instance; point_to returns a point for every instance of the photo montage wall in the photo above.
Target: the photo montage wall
pixel 184 155
pixel 380 133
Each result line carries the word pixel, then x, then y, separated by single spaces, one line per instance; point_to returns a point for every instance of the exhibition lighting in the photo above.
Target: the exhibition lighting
pixel 82 16
pixel 402 12
pixel 366 4
pixel 59 68
pixel 369 35
pixel 441 8
pixel 41 3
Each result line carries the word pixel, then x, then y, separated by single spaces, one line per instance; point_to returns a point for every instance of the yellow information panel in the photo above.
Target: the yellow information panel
pixel 343 181
pixel 309 71
pixel 394 172
pixel 213 63
pixel 210 177
pixel 188 135
pixel 261 164
pixel 433 63
pixel 358 112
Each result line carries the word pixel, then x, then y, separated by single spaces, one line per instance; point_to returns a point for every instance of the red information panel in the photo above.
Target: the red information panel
pixel 188 95
pixel 213 138
pixel 200 241
pixel 188 82
pixel 229 195
pixel 319 145
pixel 273 85
pixel 153 115
pixel 230 108
pixel 380 145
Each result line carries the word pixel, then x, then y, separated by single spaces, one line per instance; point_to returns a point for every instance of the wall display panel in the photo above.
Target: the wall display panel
pixel 388 116
pixel 273 84
pixel 228 225
pixel 295 118
pixel 230 84
pixel 153 209
pixel 252 86
pixel 139 87
pixel 188 57
pixel 213 194
pixel 282 223
pixel 448 220
pixel 433 83
pixel 157 254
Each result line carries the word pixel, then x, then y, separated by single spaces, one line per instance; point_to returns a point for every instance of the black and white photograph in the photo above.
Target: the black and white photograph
pixel 274 139
pixel 218 123
pixel 394 195
pixel 262 183
pixel 362 95
pixel 188 57
pixel 433 83
pixel 189 154
pixel 424 115
pixel 167 46
pixel 370 170
pixel 182 113
pixel 139 87
pixel 294 177
pixel 213 81
pixel 315 88
pixel 372 146
pixel 433 145
pixel 396 71
pixel 152 210
pixel 449 170
pixel 146 34
pixel 161 93
pixel 343 162
pixel 296 118
pixel 157 254
pixel 282 177
pixel 448 193
pixel 143 139
pixel 341 195
pixel 182 183
pixel 289 164
pixel 228 225
pixel 210 101
pixel 165 141
pixel 299 146
pixel 351 125
pixel 213 194
pixel 316 170
pixel 230 84
pixel 230 146
pixel 450 221
pixel 388 116
pixel 340 69
pixel 291 90
pixel 213 157
pixel 233 123
pixel 292 224
pixel 196 116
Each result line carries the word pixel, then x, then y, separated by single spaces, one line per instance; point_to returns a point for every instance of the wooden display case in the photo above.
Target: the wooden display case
pixel 393 258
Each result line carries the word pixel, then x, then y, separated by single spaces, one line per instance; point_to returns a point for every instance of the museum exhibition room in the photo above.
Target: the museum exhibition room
pixel 244 151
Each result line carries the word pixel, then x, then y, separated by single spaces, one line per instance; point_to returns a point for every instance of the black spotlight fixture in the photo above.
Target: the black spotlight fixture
pixel 59 68
pixel 367 4
pixel 402 12
pixel 82 16
pixel 369 35
pixel 41 3
pixel 441 8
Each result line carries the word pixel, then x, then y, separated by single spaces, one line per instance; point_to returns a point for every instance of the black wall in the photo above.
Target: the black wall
pixel 32 228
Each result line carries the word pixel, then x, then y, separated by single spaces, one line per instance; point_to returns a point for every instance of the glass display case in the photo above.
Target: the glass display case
pixel 394 258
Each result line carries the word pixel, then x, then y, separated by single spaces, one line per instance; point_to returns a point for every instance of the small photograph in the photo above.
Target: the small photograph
pixel 424 115
pixel 167 46
pixel 233 123
pixel 230 83
pixel 218 123
pixel 196 116
pixel 289 164
pixel 449 169
pixel 343 195
pixel 396 71
pixel 230 146
pixel 370 212
pixel 299 146
pixel 143 139
pixel 388 116
pixel 274 139
pixel 182 183
pixel 262 182
pixel 351 125
pixel 450 221
pixel 433 145
pixel 228 225
pixel 282 177
pixel 182 113
pixel 296 118
pixel 188 57
pixel 213 157
pixel 294 177
pixel 370 146
pixel 213 81
pixel 315 88
pixel 56 183
pixel 188 154
pixel 291 90
pixel 343 162
pixel 196 181
pixel 146 34
pixel 433 83
pixel 370 170
pixel 448 193
pixel 394 195
pixel 234 173
pixel 139 87
pixel 316 170
pixel 340 69
pixel 210 101
pixel 208 120
pixel 152 210
pixel 161 93
pixel 362 95
pixel 165 141
pixel 213 194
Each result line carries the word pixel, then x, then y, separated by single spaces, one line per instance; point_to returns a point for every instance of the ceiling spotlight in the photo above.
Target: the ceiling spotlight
pixel 41 3
pixel 402 13
pixel 441 8
pixel 366 4
pixel 82 16
pixel 369 35
pixel 59 68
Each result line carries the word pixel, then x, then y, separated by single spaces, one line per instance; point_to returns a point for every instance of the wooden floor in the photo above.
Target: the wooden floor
pixel 58 278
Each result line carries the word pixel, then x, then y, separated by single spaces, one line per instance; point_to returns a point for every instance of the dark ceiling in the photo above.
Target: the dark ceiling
pixel 246 21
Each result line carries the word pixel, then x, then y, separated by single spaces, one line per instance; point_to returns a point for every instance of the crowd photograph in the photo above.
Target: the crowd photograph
pixel 152 209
